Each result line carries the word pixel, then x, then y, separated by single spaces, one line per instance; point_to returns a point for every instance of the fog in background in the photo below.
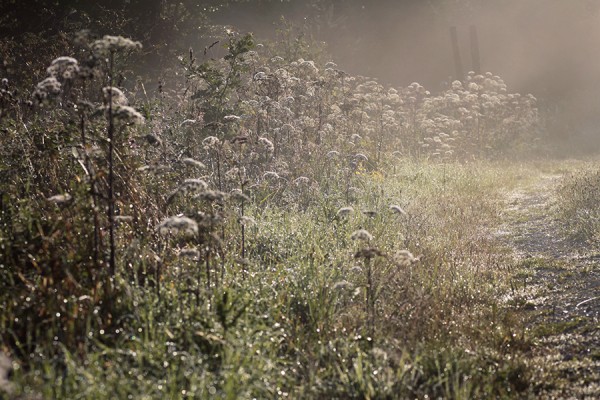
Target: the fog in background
pixel 550 48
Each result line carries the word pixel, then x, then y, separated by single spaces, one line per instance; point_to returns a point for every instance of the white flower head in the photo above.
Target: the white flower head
pixel 66 68
pixel 397 209
pixel 47 89
pixel 211 143
pixel 362 234
pixel 177 224
pixel 267 144
pixel 193 163
pixel 115 95
pixel 112 44
pixel 127 115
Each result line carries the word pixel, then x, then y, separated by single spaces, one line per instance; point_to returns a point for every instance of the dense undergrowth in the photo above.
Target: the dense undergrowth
pixel 271 227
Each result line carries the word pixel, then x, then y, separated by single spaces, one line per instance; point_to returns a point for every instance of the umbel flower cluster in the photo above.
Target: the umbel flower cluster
pixel 291 110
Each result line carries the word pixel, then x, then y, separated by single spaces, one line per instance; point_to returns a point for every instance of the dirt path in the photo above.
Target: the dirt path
pixel 558 289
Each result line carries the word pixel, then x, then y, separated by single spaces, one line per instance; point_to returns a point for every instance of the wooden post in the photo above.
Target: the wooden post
pixel 456 52
pixel 475 57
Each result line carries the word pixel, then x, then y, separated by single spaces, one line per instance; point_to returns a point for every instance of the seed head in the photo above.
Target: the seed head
pixel 112 44
pixel 178 224
pixel 267 144
pixel 211 143
pixel 47 89
pixel 369 252
pixel 193 163
pixel 344 211
pixel 397 209
pixel 405 258
pixel 212 196
pixel 125 115
pixel 66 68
pixel 116 96
pixel 362 234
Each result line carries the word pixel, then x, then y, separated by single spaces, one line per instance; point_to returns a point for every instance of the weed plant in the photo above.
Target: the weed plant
pixel 272 227
pixel 578 206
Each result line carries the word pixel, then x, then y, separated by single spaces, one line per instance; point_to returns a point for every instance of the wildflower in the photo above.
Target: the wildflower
pixel 267 144
pixel 46 89
pixel 211 143
pixel 178 224
pixel 194 184
pixel 361 234
pixel 193 163
pixel 115 95
pixel 66 68
pixel 397 209
pixel 309 67
pixel 344 211
pixel 111 44
pixel 405 258
pixel 456 85
pixel 369 252
pixel 189 185
pixel 212 196
pixel 127 115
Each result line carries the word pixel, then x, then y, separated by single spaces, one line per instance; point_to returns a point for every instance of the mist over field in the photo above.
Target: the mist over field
pixel 550 48
pixel 321 199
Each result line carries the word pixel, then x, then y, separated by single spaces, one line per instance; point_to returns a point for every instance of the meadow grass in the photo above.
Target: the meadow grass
pixel 293 321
